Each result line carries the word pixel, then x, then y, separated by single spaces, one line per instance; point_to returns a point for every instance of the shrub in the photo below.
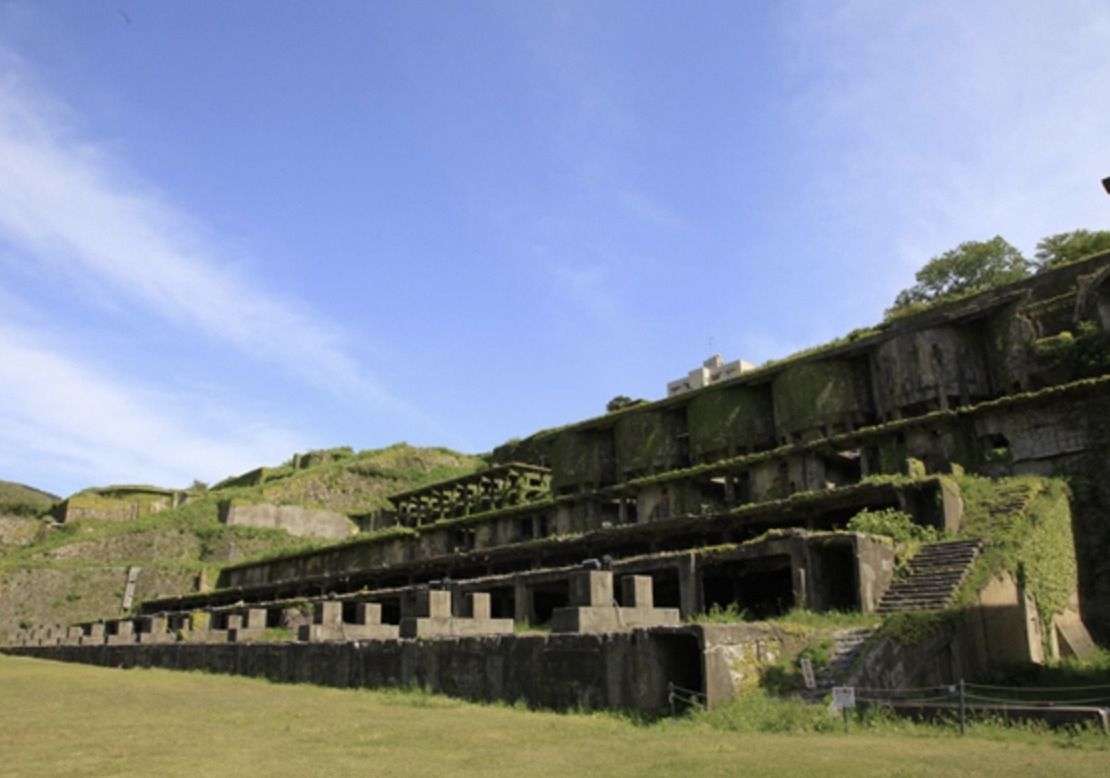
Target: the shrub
pixel 891 523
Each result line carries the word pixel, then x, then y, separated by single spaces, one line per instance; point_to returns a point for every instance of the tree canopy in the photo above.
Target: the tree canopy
pixel 1065 247
pixel 971 267
pixel 620 402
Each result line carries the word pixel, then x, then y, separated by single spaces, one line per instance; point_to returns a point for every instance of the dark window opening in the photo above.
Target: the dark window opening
pixel 391 610
pixel 609 512
pixel 680 658
pixel 760 589
pixel 836 578
pixel 524 529
pixel 713 495
pixel 665 591
pixel 502 603
pixel 547 597
pixel 462 540
pixel 845 468
pixel 742 488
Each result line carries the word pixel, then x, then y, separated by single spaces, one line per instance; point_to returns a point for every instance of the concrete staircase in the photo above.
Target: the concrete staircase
pixel 849 644
pixel 935 572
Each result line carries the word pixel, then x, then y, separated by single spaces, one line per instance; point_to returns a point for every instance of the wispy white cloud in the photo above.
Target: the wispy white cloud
pixel 70 204
pixel 69 425
pixel 948 121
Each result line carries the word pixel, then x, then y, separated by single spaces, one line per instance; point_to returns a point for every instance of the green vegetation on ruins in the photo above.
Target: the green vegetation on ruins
pixel 76 571
pixel 1026 525
pixel 978 266
pixel 19 500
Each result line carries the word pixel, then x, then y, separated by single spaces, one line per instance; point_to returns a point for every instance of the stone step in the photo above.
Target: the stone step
pixel 919 586
pixel 849 644
pixel 932 577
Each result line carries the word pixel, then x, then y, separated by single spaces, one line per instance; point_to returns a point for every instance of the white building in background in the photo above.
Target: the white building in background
pixel 711 371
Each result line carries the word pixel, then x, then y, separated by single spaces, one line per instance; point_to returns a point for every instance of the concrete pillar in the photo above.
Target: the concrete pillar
pixel 478 606
pixel 591 588
pixel 689 586
pixel 328 613
pixel 254 618
pixel 433 604
pixel 523 606
pixel 636 592
pixel 367 613
pixel 801 591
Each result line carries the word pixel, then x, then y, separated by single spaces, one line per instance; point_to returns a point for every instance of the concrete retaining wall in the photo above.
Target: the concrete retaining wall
pixel 295 520
pixel 628 670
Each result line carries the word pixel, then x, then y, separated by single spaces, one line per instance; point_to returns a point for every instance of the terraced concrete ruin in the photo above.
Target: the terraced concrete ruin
pixel 739 496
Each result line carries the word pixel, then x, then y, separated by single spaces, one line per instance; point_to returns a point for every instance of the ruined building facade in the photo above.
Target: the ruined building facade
pixel 738 494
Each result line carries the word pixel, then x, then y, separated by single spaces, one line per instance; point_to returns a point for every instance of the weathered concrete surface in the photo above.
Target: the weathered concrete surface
pixel 593 608
pixel 1001 626
pixel 434 619
pixel 295 520
pixel 630 670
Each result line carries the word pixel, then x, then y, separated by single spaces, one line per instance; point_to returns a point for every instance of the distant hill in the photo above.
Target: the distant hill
pixel 78 570
pixel 19 500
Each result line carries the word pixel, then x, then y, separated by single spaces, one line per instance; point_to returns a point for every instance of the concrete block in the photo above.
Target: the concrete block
pixel 478 605
pixel 636 591
pixel 120 632
pixel 318 633
pixel 591 588
pixel 611 619
pixel 254 618
pixel 368 614
pixel 454 627
pixel 1073 638
pixel 328 613
pixel 433 604
pixel 213 635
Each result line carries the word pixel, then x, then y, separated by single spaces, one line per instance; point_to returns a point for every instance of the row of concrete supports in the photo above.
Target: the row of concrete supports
pixel 592 608
pixel 490 490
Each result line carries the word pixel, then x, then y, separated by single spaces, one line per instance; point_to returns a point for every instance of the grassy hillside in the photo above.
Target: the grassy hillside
pixel 20 510
pixel 78 571
pixel 19 500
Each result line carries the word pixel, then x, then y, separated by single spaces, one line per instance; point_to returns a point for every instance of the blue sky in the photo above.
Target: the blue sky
pixel 232 231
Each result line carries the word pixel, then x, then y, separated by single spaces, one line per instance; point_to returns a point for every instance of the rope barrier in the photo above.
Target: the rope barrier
pixel 1039 688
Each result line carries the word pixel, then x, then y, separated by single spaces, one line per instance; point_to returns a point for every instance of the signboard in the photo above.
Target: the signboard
pixel 844 696
pixel 807 673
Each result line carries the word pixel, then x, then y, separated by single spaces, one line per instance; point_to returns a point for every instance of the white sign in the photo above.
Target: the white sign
pixel 807 672
pixel 844 696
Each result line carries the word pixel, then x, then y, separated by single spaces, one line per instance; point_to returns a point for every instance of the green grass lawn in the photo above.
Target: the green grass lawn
pixel 74 720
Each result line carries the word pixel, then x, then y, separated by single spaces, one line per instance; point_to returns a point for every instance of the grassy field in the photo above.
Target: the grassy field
pixel 73 720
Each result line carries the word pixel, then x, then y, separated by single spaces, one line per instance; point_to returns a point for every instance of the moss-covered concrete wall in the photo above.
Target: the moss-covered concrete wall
pixel 930 367
pixel 662 501
pixel 821 397
pixel 728 421
pixel 120 506
pixel 582 459
pixel 650 441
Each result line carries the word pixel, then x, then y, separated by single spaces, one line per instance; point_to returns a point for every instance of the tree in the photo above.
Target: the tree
pixel 971 267
pixel 1056 250
pixel 620 402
